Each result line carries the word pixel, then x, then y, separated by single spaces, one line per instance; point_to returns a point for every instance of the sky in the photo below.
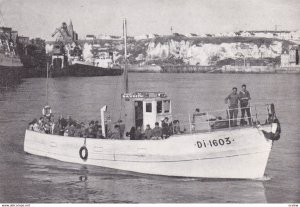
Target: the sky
pixel 40 18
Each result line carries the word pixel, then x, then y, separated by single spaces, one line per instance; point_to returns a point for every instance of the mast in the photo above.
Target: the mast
pixel 125 56
pixel 47 83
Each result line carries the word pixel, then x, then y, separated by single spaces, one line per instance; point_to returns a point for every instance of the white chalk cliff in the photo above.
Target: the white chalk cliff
pixel 207 53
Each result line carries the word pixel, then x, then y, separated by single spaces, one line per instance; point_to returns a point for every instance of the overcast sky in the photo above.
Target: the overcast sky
pixel 39 18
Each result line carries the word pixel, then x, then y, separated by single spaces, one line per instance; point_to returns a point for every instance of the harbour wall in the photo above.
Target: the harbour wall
pixel 227 69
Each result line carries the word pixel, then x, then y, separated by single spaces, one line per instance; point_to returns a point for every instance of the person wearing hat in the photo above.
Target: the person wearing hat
pixel 233 99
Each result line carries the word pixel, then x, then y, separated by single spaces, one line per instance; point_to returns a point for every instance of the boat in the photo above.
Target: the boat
pixel 11 67
pixel 8 55
pixel 67 58
pixel 206 149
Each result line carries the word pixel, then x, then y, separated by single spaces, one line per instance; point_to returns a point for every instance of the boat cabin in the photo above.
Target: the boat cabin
pixel 142 108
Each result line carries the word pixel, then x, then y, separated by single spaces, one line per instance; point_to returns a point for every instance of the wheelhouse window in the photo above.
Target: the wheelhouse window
pixel 149 107
pixel 159 107
pixel 166 106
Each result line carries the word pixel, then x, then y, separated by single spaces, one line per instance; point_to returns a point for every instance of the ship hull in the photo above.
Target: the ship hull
pixel 234 154
pixel 11 70
pixel 82 70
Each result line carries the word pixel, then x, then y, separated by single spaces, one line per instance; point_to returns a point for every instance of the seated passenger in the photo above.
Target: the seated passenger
pixel 63 122
pixel 122 128
pixel 89 133
pixel 115 132
pixel 31 124
pixel 36 127
pixel 176 127
pixel 41 126
pixel 138 133
pixel 99 134
pixel 197 113
pixel 71 130
pixel 157 131
pixel 131 134
pixel 165 127
pixel 79 129
pixel 220 123
pixel 56 128
pixel 148 132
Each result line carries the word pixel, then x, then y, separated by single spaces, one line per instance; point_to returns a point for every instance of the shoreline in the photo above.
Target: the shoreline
pixel 10 76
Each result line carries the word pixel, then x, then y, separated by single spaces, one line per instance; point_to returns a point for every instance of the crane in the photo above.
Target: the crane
pixel 64 33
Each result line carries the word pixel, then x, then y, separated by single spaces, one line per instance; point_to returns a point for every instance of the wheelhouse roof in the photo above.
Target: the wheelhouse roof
pixel 145 96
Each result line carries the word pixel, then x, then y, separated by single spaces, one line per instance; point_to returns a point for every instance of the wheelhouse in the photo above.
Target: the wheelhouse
pixel 143 108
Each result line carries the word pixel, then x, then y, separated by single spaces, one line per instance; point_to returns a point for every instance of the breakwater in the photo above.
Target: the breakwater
pixel 189 69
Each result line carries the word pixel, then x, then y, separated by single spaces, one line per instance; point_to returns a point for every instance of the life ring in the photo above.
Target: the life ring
pixel 47 111
pixel 84 155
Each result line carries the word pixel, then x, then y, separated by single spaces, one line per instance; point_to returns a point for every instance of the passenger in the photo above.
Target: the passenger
pixel 79 130
pixel 233 106
pixel 157 131
pixel 70 121
pixel 63 122
pixel 132 133
pixel 148 132
pixel 41 125
pixel 47 124
pixel 90 132
pixel 71 130
pixel 56 128
pixel 220 123
pixel 165 128
pixel 244 97
pixel 197 113
pixel 115 132
pixel 96 125
pixel 36 126
pixel 176 127
pixel 122 128
pixel 47 128
pixel 138 133
pixel 31 124
pixel 99 134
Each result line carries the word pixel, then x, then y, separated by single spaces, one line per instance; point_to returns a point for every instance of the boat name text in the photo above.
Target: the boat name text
pixel 214 142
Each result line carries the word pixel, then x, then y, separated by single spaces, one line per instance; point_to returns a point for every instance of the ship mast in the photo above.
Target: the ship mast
pixel 125 56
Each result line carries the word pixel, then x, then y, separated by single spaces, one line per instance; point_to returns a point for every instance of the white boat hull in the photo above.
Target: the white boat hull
pixel 238 154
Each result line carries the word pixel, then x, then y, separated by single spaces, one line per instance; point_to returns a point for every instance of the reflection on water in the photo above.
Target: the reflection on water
pixel 28 178
pixel 91 184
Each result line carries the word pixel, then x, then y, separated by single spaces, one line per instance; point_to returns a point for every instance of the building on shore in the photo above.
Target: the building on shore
pixel 290 58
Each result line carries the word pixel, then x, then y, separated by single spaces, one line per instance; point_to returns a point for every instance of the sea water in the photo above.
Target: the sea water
pixel 31 179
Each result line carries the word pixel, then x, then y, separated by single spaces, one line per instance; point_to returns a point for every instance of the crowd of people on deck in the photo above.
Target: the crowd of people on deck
pixel 158 132
pixel 66 127
pixel 72 128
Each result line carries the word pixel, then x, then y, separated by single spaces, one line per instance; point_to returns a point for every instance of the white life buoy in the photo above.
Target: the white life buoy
pixel 47 111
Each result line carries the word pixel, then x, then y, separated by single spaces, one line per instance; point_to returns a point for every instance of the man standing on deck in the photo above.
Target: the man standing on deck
pixel 244 97
pixel 233 106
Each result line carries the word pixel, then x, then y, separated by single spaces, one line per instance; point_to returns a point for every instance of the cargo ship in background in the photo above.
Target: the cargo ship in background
pixel 9 57
pixel 67 58
pixel 11 66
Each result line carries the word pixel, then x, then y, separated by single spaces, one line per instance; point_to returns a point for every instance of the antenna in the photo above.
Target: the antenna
pixel 47 83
